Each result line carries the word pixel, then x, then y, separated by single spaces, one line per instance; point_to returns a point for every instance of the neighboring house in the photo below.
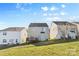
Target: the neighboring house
pixel 39 31
pixel 77 24
pixel 13 35
pixel 63 30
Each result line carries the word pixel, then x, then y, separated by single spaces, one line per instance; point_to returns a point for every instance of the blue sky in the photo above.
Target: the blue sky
pixel 21 14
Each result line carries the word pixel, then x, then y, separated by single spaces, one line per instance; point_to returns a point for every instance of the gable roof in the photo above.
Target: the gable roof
pixel 38 25
pixel 76 22
pixel 13 29
pixel 63 22
pixel 60 22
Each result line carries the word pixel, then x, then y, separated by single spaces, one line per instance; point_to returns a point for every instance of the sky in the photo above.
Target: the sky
pixel 22 14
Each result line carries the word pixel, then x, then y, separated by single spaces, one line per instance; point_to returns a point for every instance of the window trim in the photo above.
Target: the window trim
pixel 4 40
pixel 4 33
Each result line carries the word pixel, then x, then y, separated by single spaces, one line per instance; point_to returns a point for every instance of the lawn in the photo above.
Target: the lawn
pixel 47 48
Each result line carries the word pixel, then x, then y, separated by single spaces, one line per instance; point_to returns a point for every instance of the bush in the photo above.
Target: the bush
pixel 32 40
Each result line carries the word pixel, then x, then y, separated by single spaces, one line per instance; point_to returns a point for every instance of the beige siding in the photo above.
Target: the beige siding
pixel 23 36
pixel 53 31
pixel 58 31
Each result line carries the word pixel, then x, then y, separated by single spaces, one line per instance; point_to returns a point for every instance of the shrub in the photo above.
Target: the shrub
pixel 32 40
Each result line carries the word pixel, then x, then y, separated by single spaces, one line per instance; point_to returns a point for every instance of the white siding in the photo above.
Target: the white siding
pixel 10 35
pixel 36 32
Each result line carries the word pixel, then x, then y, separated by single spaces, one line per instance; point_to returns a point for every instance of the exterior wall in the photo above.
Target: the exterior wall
pixel 10 36
pixel 36 32
pixel 77 29
pixel 72 28
pixel 23 36
pixel 54 32
pixel 62 31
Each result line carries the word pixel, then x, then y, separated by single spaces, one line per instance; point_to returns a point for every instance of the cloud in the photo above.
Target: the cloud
pixel 63 13
pixel 44 8
pixel 18 5
pixel 49 19
pixel 53 8
pixel 55 14
pixel 54 19
pixel 45 14
pixel 57 18
pixel 74 18
pixel 78 16
pixel 34 13
pixel 63 6
pixel 50 14
pixel 22 6
pixel 3 25
pixel 71 18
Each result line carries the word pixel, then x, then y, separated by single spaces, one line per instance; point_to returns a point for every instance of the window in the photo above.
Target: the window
pixel 72 31
pixel 42 32
pixel 16 40
pixel 4 33
pixel 4 40
pixel 43 29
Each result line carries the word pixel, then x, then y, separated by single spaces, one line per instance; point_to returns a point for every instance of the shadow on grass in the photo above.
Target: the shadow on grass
pixel 55 41
pixel 9 46
pixel 49 42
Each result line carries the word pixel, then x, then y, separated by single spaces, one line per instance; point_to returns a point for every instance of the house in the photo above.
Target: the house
pixel 13 35
pixel 63 30
pixel 77 24
pixel 39 31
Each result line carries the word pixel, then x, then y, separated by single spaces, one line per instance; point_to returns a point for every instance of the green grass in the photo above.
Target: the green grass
pixel 47 48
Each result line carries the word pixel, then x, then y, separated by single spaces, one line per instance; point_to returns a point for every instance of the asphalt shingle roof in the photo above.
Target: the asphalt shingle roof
pixel 63 22
pixel 13 29
pixel 38 25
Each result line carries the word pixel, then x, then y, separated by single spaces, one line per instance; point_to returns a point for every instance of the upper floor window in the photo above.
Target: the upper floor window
pixel 4 33
pixel 43 29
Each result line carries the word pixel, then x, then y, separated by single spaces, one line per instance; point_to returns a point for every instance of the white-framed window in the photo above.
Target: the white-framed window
pixel 16 40
pixel 4 40
pixel 43 30
pixel 4 33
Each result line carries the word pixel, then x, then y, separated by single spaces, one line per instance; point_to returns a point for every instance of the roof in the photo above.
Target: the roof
pixel 63 22
pixel 76 22
pixel 13 29
pixel 38 25
pixel 60 22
